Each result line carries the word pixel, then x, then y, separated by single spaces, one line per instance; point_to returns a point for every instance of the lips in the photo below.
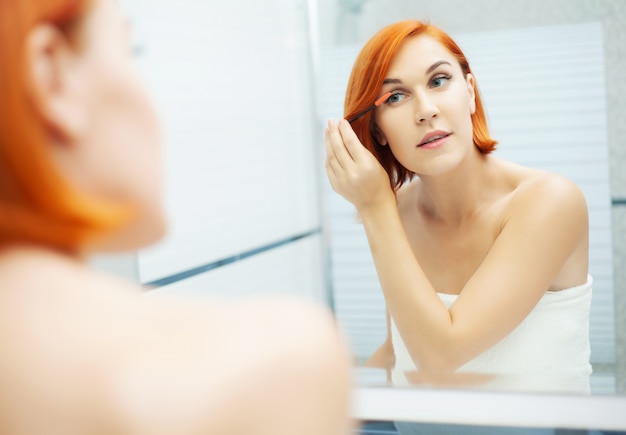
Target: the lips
pixel 433 136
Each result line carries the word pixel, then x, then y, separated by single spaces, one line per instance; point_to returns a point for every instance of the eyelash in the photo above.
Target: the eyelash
pixel 394 94
pixel 400 93
pixel 440 77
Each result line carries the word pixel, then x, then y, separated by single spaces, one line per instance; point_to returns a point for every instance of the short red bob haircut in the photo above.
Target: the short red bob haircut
pixel 366 80
pixel 37 205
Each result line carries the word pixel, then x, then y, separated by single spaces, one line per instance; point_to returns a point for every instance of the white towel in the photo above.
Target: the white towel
pixel 548 351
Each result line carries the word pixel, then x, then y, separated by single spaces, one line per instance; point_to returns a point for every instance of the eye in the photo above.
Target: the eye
pixel 396 97
pixel 439 80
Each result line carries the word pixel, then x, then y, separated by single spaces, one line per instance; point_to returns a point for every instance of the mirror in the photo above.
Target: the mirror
pixel 397 411
pixel 233 83
pixel 243 126
pixel 535 67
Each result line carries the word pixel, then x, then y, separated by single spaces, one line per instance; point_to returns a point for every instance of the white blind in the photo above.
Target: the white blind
pixel 233 84
pixel 545 95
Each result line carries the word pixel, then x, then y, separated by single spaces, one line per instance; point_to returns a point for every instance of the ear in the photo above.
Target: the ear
pixel 472 93
pixel 54 79
pixel 379 135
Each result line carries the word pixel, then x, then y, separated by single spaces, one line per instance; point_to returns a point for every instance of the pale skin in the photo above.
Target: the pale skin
pixel 497 234
pixel 86 353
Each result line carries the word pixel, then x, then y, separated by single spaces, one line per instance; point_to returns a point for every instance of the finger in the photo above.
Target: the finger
pixel 331 158
pixel 351 141
pixel 337 145
pixel 331 173
pixel 332 162
pixel 329 148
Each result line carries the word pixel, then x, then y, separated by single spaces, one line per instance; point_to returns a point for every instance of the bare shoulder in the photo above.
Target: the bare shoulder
pixel 46 286
pixel 52 330
pixel 230 366
pixel 548 214
pixel 151 362
pixel 542 193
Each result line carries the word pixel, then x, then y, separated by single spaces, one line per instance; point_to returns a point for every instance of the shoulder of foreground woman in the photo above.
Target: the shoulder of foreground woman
pixel 167 365
pixel 239 365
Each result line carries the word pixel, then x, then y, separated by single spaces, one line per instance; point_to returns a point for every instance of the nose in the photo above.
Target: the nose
pixel 425 108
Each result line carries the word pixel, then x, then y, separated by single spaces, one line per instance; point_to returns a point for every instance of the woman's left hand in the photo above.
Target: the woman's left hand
pixel 352 169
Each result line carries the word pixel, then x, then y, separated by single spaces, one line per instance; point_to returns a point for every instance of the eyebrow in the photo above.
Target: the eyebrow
pixel 430 69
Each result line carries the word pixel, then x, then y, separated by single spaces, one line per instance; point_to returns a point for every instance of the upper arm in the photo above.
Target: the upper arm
pixel 547 222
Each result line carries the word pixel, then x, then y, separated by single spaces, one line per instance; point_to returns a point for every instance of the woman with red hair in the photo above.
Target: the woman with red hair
pixel 483 263
pixel 86 353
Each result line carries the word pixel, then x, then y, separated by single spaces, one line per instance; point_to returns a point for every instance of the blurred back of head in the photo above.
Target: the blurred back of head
pixel 38 205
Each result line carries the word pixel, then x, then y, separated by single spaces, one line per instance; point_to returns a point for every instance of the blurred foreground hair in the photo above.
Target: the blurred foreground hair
pixel 37 205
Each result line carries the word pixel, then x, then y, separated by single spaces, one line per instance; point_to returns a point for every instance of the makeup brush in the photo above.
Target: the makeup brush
pixel 377 103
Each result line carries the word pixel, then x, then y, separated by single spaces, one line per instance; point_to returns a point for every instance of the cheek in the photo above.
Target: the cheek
pixel 126 129
pixel 394 124
pixel 402 147
pixel 139 133
pixel 398 129
pixel 464 121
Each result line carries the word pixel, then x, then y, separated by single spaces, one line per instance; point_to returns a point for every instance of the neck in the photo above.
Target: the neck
pixel 41 251
pixel 455 197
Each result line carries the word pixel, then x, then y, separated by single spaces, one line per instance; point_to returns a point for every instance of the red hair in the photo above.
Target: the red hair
pixel 37 205
pixel 366 80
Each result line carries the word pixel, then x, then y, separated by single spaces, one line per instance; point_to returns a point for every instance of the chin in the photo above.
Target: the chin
pixel 438 166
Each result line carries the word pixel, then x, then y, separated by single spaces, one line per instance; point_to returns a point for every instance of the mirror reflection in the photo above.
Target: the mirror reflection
pixel 251 209
pixel 538 84
pixel 483 264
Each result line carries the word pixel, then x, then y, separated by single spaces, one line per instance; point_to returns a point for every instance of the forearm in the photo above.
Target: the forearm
pixel 422 319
